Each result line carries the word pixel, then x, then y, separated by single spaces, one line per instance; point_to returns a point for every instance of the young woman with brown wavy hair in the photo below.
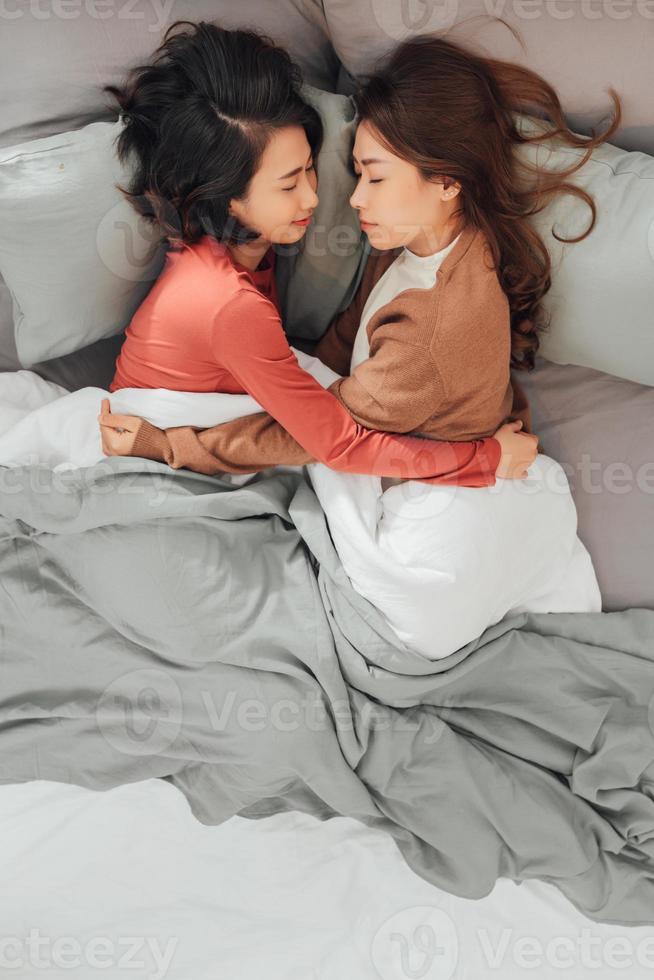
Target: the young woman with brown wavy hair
pixel 450 301
pixel 452 116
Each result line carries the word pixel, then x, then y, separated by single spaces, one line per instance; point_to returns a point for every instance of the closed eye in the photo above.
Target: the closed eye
pixel 358 175
pixel 310 167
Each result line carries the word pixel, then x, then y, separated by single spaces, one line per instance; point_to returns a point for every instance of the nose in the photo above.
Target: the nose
pixel 357 199
pixel 309 198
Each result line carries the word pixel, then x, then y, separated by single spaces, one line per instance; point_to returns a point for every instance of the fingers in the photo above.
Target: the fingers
pixel 105 418
pixel 120 422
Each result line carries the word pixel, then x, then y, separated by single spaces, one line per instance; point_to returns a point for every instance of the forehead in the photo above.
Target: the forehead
pixel 286 149
pixel 367 145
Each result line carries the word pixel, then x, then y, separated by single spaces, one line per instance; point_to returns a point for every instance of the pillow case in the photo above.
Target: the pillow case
pixel 76 257
pixel 93 259
pixel 601 430
pixel 89 367
pixel 602 295
pixel 318 277
pixel 8 353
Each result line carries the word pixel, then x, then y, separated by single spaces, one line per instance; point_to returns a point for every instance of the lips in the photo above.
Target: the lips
pixel 303 221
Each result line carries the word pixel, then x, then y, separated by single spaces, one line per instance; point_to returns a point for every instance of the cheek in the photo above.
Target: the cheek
pixel 286 207
pixel 390 206
pixel 250 212
pixel 276 212
pixel 408 209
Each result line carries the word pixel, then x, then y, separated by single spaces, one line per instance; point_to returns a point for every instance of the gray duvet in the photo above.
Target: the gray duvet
pixel 159 623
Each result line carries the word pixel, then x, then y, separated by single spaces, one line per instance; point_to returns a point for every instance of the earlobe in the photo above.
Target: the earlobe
pixel 233 208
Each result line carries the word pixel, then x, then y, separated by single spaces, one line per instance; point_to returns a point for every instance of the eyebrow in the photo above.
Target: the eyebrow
pixel 292 173
pixel 369 160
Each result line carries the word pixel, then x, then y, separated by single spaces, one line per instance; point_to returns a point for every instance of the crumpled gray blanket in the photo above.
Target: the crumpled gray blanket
pixel 160 623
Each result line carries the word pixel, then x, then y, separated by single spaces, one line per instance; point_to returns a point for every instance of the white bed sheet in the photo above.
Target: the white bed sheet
pixel 287 897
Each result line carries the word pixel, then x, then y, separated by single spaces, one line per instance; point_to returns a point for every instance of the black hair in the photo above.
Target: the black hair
pixel 197 120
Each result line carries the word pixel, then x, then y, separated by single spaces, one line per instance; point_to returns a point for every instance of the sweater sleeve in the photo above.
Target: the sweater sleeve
pixel 245 445
pixel 250 343
pixel 257 442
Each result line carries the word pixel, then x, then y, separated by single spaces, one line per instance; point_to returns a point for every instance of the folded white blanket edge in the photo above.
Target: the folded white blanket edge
pixel 42 423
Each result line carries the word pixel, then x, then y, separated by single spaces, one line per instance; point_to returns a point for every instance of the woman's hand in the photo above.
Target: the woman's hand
pixel 519 450
pixel 118 431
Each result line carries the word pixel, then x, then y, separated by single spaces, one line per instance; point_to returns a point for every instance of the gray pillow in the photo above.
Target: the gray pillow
pixel 8 353
pixel 91 367
pixel 601 430
pixel 55 64
pixel 317 277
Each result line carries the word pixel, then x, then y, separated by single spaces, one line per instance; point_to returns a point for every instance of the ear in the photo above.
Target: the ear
pixel 451 188
pixel 236 208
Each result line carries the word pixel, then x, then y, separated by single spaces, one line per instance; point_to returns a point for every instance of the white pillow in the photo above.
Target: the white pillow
pixel 602 294
pixel 76 257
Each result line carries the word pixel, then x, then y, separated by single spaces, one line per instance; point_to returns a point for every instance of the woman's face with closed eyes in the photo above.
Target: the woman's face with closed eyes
pixel 397 206
pixel 281 197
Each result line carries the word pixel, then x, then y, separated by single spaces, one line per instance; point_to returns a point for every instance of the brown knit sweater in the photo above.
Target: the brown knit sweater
pixel 438 368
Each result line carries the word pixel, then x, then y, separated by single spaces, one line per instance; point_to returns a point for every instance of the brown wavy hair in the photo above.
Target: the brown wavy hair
pixel 451 114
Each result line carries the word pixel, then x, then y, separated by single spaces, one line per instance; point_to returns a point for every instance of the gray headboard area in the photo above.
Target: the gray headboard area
pixel 581 47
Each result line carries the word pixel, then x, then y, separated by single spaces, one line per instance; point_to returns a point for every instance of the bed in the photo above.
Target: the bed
pixel 213 751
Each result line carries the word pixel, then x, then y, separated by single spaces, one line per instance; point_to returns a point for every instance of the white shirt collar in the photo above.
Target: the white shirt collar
pixel 428 261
